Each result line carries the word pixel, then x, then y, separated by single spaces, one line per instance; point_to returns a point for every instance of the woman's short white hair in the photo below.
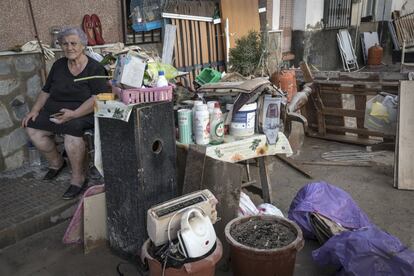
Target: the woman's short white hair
pixel 73 31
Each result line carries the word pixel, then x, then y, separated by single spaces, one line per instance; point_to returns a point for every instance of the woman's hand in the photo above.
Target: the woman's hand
pixel 65 117
pixel 32 115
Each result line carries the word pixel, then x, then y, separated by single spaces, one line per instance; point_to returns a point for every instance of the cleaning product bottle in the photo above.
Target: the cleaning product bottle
pixel 161 81
pixel 216 125
pixel 202 125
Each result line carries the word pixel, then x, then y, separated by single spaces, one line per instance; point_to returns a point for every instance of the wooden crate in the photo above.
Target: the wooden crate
pixel 336 108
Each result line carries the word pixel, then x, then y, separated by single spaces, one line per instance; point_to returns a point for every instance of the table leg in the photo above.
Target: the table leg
pixel 264 180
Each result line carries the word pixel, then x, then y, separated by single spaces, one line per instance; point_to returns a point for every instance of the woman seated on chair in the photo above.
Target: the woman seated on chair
pixel 66 107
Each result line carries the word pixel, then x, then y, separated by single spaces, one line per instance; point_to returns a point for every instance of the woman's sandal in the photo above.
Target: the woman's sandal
pixel 87 26
pixel 97 29
pixel 73 190
pixel 52 173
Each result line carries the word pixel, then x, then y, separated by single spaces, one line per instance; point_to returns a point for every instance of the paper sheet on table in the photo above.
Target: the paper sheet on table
pixel 113 110
pixel 250 147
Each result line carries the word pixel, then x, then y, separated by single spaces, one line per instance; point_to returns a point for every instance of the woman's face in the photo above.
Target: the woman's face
pixel 72 47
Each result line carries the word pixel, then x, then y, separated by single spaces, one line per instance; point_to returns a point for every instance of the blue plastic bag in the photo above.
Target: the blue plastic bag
pixel 329 201
pixel 366 251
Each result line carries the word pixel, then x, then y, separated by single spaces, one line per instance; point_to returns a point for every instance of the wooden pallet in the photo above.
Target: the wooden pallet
pixel 336 109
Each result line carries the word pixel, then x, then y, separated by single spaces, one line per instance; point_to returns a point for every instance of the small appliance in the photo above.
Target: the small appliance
pixel 196 236
pixel 168 214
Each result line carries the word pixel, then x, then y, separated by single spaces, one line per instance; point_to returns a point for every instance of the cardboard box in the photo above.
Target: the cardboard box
pixel 129 70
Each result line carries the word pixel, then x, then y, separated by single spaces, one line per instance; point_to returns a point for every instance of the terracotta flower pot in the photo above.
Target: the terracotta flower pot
pixel 203 267
pixel 248 261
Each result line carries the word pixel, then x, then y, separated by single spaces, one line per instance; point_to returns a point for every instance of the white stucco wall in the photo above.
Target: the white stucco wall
pixel 314 12
pixel 276 15
pixel 307 13
pixel 405 6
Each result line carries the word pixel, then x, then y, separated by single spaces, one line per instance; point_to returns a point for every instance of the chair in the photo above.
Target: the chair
pixel 349 59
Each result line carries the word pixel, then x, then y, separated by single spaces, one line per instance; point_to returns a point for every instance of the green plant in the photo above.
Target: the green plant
pixel 248 54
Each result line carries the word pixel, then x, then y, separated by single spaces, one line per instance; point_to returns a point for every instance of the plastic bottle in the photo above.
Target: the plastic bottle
pixel 216 125
pixel 210 106
pixel 34 155
pixel 202 125
pixel 161 81
pixel 195 103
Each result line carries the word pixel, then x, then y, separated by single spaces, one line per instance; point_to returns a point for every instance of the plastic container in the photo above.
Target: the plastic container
pixel 34 155
pixel 202 125
pixel 247 261
pixel 144 95
pixel 185 125
pixel 161 81
pixel 147 26
pixel 216 125
pixel 204 267
pixel 375 55
pixel 210 106
pixel 208 75
pixel 195 103
pixel 243 121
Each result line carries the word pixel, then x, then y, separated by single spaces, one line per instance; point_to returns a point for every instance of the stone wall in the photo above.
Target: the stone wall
pixel 20 82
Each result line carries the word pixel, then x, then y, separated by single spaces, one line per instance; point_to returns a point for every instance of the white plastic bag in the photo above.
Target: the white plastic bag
pixel 246 206
pixel 381 113
pixel 269 209
pixel 91 53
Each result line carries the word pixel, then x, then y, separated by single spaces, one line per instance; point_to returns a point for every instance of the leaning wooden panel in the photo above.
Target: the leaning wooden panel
pixel 243 16
pixel 405 141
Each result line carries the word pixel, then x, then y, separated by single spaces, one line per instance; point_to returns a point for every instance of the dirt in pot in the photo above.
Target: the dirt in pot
pixel 262 234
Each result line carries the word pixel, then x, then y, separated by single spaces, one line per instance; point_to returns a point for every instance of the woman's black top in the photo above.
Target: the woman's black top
pixel 66 93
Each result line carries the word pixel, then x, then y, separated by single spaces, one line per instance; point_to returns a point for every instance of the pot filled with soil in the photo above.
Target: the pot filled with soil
pixel 263 245
pixel 203 266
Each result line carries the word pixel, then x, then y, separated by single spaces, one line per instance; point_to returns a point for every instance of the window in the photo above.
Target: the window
pixel 337 14
pixel 134 35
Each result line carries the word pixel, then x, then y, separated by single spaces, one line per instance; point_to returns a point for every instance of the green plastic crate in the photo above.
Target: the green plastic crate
pixel 208 75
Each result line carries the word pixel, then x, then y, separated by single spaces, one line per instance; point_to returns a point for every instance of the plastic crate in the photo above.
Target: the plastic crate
pixel 144 95
pixel 147 26
pixel 208 75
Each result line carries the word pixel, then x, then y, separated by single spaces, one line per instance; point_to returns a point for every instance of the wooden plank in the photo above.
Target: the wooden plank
pixel 345 139
pixel 405 149
pixel 243 16
pixel 220 46
pixel 178 48
pixel 264 180
pixel 363 131
pixel 94 222
pixel 213 44
pixel 339 112
pixel 204 42
pixel 369 77
pixel 360 104
pixel 196 45
pixel 188 43
pixel 379 83
pixel 333 101
pixel 294 164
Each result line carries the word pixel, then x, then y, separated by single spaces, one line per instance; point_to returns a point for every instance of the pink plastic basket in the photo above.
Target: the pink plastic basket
pixel 144 95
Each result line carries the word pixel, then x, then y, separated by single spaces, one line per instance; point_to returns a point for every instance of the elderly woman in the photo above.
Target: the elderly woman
pixel 66 107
